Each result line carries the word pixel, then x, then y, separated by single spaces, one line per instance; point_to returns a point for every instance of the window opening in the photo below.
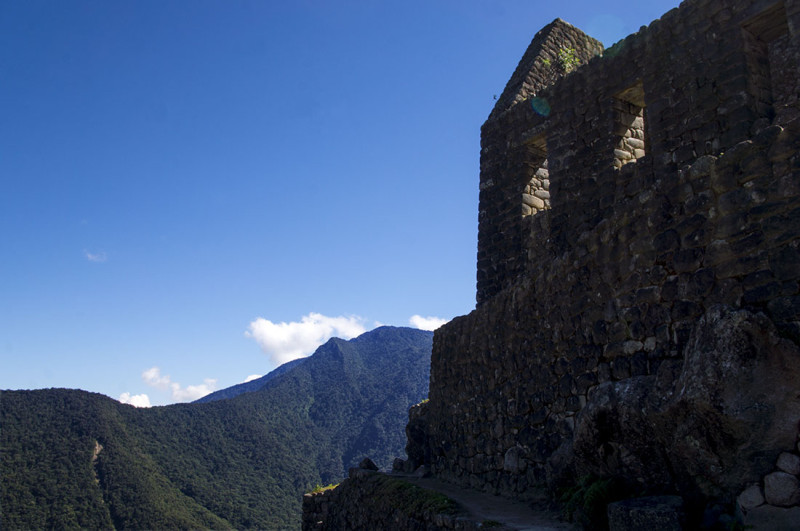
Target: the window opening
pixel 536 194
pixel 628 108
pixel 773 81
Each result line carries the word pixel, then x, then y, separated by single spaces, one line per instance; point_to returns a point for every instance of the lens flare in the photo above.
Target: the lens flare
pixel 541 106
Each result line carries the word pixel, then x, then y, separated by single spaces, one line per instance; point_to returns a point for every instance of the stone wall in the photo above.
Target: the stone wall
pixel 515 184
pixel 602 297
pixel 701 80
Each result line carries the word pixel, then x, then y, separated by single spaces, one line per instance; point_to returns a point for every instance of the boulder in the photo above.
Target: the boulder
pixel 789 463
pixel 782 489
pixel 615 436
pixel 771 518
pixel 750 498
pixel 710 428
pixel 735 403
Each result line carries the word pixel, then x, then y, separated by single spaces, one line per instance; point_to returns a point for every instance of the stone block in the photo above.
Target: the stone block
pixel 621 368
pixel 514 460
pixel 771 518
pixel 762 293
pixel 685 309
pixel 786 262
pixel 666 241
pixel 750 498
pixel 789 463
pixel 782 489
pixel 533 201
pixel 702 167
pixel 687 260
pixel 785 308
pixel 700 283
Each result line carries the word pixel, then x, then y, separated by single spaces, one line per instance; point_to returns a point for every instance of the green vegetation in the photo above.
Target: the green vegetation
pixel 319 488
pixel 72 459
pixel 587 501
pixel 411 498
pixel 568 59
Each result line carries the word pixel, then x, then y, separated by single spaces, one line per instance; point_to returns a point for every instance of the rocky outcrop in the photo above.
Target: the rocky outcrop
pixel 723 422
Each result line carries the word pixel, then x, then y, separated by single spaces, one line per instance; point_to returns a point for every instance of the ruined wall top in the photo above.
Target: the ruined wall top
pixel 556 50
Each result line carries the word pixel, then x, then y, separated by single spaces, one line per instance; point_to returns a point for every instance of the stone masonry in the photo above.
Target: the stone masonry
pixel 631 200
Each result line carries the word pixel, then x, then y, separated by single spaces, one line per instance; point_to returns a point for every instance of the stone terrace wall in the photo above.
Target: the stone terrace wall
pixel 608 284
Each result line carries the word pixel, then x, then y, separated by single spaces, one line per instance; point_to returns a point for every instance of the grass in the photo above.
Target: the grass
pixel 319 488
pixel 413 499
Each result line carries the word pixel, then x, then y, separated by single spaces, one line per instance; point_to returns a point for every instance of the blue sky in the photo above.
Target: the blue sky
pixel 194 192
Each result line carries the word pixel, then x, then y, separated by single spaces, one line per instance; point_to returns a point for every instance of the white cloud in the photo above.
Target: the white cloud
pixel 284 342
pixel 252 377
pixel 426 323
pixel 193 392
pixel 95 257
pixel 135 400
pixel 153 378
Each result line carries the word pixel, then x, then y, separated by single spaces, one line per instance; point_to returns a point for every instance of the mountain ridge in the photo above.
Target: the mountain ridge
pixel 252 385
pixel 168 466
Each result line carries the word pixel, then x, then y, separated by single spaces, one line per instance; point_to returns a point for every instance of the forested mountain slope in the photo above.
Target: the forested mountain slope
pixel 77 459
pixel 249 387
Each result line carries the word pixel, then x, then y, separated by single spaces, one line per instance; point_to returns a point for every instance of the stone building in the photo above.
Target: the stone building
pixel 638 309
pixel 638 305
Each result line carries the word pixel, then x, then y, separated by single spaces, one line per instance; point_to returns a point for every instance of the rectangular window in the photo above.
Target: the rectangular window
pixel 773 80
pixel 536 194
pixel 628 108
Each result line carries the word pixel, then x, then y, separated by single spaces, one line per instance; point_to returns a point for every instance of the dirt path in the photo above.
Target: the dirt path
pixel 482 507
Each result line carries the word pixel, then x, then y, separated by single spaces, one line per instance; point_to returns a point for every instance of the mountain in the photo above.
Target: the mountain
pixel 77 459
pixel 248 387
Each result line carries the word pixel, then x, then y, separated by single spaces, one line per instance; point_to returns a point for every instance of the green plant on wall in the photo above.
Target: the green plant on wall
pixel 568 59
pixel 565 62
pixel 319 488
